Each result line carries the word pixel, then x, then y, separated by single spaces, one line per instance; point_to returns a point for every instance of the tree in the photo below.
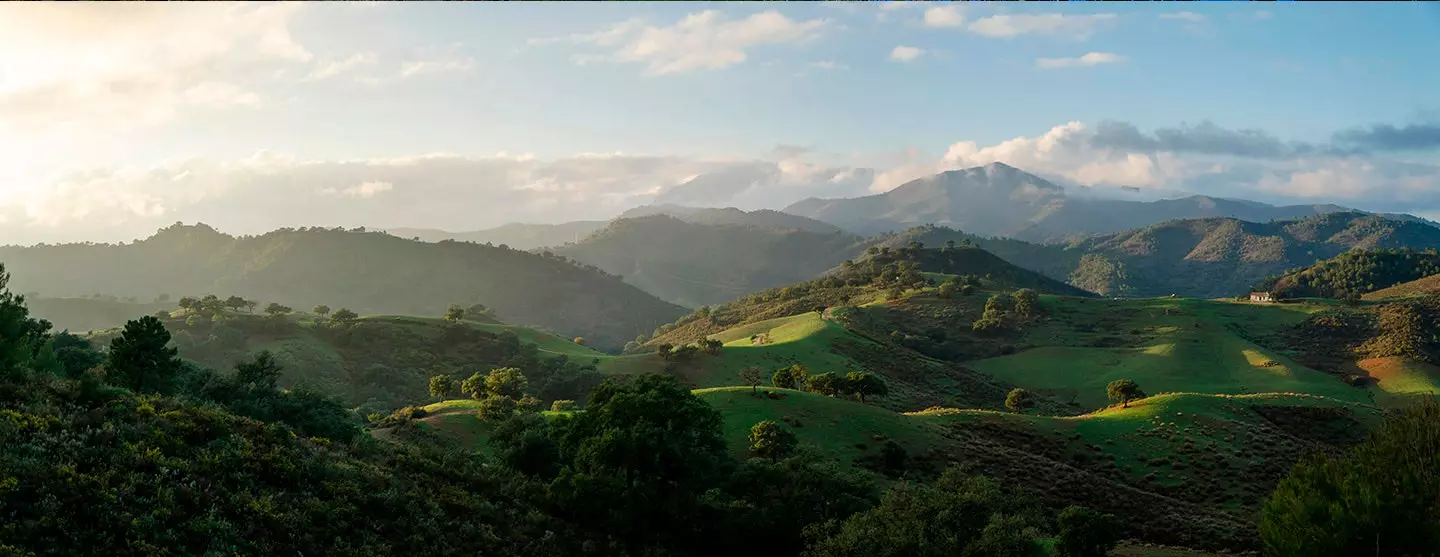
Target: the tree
pixel 187 303
pixel 139 359
pixel 506 382
pixel 1124 390
pixel 454 314
pixel 442 386
pixel 320 310
pixel 1018 399
pixel 210 303
pixel 527 405
pixel 1085 533
pixel 162 314
pixel 751 375
pixel 827 384
pixel 864 383
pixel 262 372
pixel 782 379
pixel 563 406
pixel 579 340
pixel 1026 303
pixel 343 317
pixel 495 408
pixel 664 351
pixel 474 386
pixel 711 346
pixel 1381 498
pixel 769 440
pixel 948 289
pixel 277 310
pixel 234 303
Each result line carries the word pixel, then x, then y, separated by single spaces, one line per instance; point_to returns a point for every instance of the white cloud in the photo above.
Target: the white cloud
pixel 829 65
pixel 1184 16
pixel 1057 25
pixel 93 68
pixel 363 190
pixel 424 67
pixel 904 53
pixel 944 16
pixel 1089 59
pixel 699 41
pixel 332 68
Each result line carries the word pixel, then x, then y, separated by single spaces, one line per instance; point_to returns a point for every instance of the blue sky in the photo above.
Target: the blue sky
pixel 547 112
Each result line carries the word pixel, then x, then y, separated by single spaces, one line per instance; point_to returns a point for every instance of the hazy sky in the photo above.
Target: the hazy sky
pixel 116 119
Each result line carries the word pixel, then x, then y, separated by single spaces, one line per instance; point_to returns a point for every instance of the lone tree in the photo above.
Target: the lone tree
pixel 454 314
pixel 277 310
pixel 343 316
pixel 235 303
pixel 711 346
pixel 320 310
pixel 506 382
pixel 864 383
pixel 1018 399
pixel 769 440
pixel 751 376
pixel 1124 390
pixel 442 386
pixel 139 359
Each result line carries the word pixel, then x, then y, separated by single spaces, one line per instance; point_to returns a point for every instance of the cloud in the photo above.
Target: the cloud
pixel 363 190
pixel 699 41
pixel 1386 137
pixel 332 68
pixel 904 53
pixel 1205 138
pixel 1089 59
pixel 1191 17
pixel 425 67
pixel 944 16
pixel 829 65
pixel 1056 25
pixel 95 68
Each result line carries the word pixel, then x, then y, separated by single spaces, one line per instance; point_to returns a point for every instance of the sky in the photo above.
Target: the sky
pixel 118 119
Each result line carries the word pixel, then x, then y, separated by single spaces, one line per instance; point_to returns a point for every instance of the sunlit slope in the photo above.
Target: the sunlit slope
pixel 1165 345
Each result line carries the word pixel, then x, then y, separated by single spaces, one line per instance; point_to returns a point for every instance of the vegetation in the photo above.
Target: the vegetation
pixel 1356 273
pixel 1124 390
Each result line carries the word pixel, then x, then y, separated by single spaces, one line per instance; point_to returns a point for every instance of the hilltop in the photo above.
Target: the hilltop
pixel 1000 200
pixel 366 272
pixel 694 264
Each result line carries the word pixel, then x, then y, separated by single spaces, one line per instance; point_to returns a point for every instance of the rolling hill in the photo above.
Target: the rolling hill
pixel 1355 272
pixel 367 272
pixel 1419 287
pixel 694 264
pixel 1000 200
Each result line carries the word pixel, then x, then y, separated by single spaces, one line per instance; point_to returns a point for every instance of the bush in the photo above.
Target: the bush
pixel 564 406
pixel 1085 533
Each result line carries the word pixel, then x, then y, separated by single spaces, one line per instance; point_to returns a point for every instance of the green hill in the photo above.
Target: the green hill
pixel 1356 272
pixel 367 272
pixel 383 362
pixel 695 264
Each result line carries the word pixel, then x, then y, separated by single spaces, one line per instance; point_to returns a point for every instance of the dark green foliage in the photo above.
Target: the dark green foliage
pixel 769 440
pixel 260 373
pixel 752 376
pixel 455 313
pixel 793 377
pixel 76 355
pixel 343 318
pixel 893 457
pixel 1018 399
pixel 864 383
pixel 1026 303
pixel 1082 532
pixel 771 502
pixel 996 317
pixel 1355 272
pixel 508 382
pixel 140 359
pixel 20 335
pixel 957 515
pixel 1382 498
pixel 522 443
pixel 711 346
pixel 474 386
pixel 496 408
pixel 321 310
pixel 563 406
pixel 827 384
pixel 1124 390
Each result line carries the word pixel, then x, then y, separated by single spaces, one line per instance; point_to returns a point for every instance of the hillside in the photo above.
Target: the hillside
pixel 381 362
pixel 88 314
pixel 367 272
pixel 514 235
pixel 1000 200
pixel 1420 287
pixel 695 264
pixel 764 218
pixel 1355 273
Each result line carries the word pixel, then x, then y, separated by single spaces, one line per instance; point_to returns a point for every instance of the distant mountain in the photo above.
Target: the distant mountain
pixel 696 264
pixel 999 200
pixel 764 218
pixel 1209 257
pixel 367 272
pixel 515 235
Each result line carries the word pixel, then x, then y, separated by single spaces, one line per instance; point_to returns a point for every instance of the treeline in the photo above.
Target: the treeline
pixel 1353 273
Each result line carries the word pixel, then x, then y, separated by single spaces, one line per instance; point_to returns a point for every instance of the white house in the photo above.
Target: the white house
pixel 1261 297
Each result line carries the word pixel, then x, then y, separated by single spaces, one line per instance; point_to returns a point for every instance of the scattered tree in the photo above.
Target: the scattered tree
pixel 320 310
pixel 277 310
pixel 1124 390
pixel 751 375
pixel 343 317
pixel 1018 399
pixel 827 384
pixel 711 346
pixel 455 314
pixel 235 303
pixel 442 386
pixel 664 350
pixel 187 303
pixel 769 440
pixel 506 382
pixel 496 408
pixel 139 359
pixel 474 386
pixel 864 383
pixel 782 379
pixel 1026 303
